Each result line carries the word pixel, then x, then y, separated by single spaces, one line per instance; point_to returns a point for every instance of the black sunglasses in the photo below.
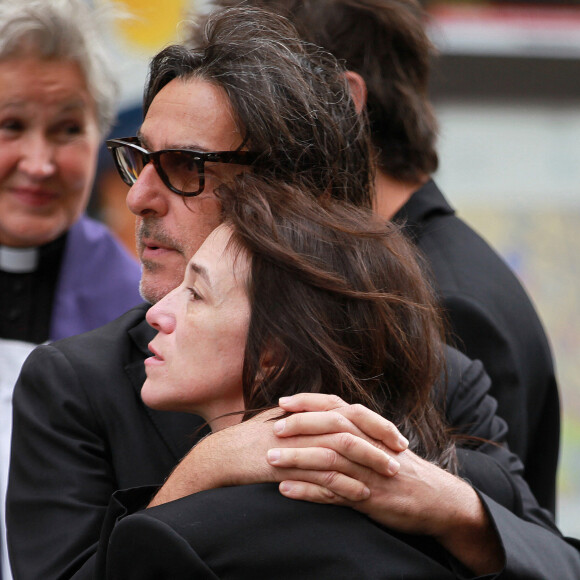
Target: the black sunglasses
pixel 181 170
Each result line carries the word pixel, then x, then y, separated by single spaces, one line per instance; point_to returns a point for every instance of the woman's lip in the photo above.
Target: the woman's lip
pixel 156 355
pixel 33 196
pixel 153 361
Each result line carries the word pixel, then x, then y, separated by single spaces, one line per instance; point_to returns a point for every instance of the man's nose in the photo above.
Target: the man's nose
pixel 149 195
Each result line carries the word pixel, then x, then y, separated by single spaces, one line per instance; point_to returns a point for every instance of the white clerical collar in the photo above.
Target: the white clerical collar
pixel 18 260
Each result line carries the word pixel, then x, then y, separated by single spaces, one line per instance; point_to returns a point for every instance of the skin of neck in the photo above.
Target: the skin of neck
pixel 220 423
pixel 391 195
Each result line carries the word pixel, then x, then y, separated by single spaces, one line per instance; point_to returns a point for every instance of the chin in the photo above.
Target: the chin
pixel 31 234
pixel 153 397
pixel 157 399
pixel 154 287
pixel 154 402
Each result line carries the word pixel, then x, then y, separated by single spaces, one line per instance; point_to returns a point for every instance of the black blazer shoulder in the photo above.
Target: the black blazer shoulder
pixel 249 532
pixel 492 319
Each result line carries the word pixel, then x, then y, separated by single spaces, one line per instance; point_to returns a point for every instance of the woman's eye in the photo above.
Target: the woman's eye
pixel 194 294
pixel 11 125
pixel 68 129
pixel 73 129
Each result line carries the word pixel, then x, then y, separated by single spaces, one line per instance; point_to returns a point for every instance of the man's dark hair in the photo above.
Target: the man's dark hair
pixel 338 306
pixel 385 41
pixel 290 100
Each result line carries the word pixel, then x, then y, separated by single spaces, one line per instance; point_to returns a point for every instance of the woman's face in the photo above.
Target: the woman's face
pixel 198 353
pixel 49 140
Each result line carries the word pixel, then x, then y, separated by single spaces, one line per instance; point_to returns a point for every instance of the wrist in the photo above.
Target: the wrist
pixel 470 535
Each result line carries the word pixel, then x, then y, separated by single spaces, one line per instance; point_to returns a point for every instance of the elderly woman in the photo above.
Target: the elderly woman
pixel 291 295
pixel 60 272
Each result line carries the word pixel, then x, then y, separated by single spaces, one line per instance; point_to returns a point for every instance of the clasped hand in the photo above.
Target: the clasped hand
pixel 327 451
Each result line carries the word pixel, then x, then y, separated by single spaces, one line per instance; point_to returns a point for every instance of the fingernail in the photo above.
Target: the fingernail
pixel 283 400
pixel 286 487
pixel 393 467
pixel 273 455
pixel 403 442
pixel 279 426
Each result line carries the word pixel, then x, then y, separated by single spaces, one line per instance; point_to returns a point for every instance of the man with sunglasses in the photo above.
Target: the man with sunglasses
pixel 242 101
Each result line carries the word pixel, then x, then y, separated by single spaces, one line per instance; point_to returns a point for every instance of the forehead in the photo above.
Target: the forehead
pixel 225 263
pixel 46 82
pixel 191 113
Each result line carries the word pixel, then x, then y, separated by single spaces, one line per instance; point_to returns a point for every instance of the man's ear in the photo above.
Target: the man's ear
pixel 358 89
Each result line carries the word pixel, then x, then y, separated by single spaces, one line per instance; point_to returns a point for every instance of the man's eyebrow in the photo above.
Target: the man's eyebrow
pixel 187 147
pixel 201 271
pixel 142 140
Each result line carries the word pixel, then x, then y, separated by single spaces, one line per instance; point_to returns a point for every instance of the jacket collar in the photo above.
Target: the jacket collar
pixel 426 202
pixel 142 334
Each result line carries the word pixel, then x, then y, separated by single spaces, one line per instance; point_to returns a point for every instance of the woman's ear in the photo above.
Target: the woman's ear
pixel 358 89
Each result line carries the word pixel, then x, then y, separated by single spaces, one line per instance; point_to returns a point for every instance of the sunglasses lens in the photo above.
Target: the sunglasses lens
pixel 181 169
pixel 130 163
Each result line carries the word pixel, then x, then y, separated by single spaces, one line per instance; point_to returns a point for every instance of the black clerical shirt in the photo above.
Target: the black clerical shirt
pixel 26 299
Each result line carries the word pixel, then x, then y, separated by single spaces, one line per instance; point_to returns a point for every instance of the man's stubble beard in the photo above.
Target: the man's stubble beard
pixel 154 285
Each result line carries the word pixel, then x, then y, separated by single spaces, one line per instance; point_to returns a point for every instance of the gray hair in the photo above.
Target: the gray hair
pixel 289 98
pixel 65 30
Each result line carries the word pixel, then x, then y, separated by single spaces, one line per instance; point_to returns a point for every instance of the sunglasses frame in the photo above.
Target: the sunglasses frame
pixel 198 157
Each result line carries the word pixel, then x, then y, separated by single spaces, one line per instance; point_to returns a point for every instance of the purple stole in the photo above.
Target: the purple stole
pixel 98 281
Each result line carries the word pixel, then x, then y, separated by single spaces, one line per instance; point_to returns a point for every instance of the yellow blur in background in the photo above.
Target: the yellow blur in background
pixel 151 23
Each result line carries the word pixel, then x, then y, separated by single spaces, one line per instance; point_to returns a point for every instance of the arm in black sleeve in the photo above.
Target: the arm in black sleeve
pixel 471 411
pixel 518 360
pixel 61 478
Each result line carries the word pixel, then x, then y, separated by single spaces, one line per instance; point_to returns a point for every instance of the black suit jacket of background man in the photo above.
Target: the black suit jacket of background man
pixel 493 320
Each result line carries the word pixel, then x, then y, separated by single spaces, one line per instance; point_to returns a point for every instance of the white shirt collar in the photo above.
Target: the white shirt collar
pixel 18 260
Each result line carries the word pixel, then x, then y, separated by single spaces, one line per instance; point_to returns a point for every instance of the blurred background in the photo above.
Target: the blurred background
pixel 506 87
pixel 507 94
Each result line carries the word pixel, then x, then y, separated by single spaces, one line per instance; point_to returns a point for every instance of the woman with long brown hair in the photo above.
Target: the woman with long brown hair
pixel 290 294
pixel 338 305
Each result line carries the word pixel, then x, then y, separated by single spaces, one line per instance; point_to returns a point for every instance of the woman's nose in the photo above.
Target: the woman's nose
pixel 161 315
pixel 37 158
pixel 148 196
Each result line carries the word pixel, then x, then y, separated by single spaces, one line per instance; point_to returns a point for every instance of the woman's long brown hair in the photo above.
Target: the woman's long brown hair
pixel 339 305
